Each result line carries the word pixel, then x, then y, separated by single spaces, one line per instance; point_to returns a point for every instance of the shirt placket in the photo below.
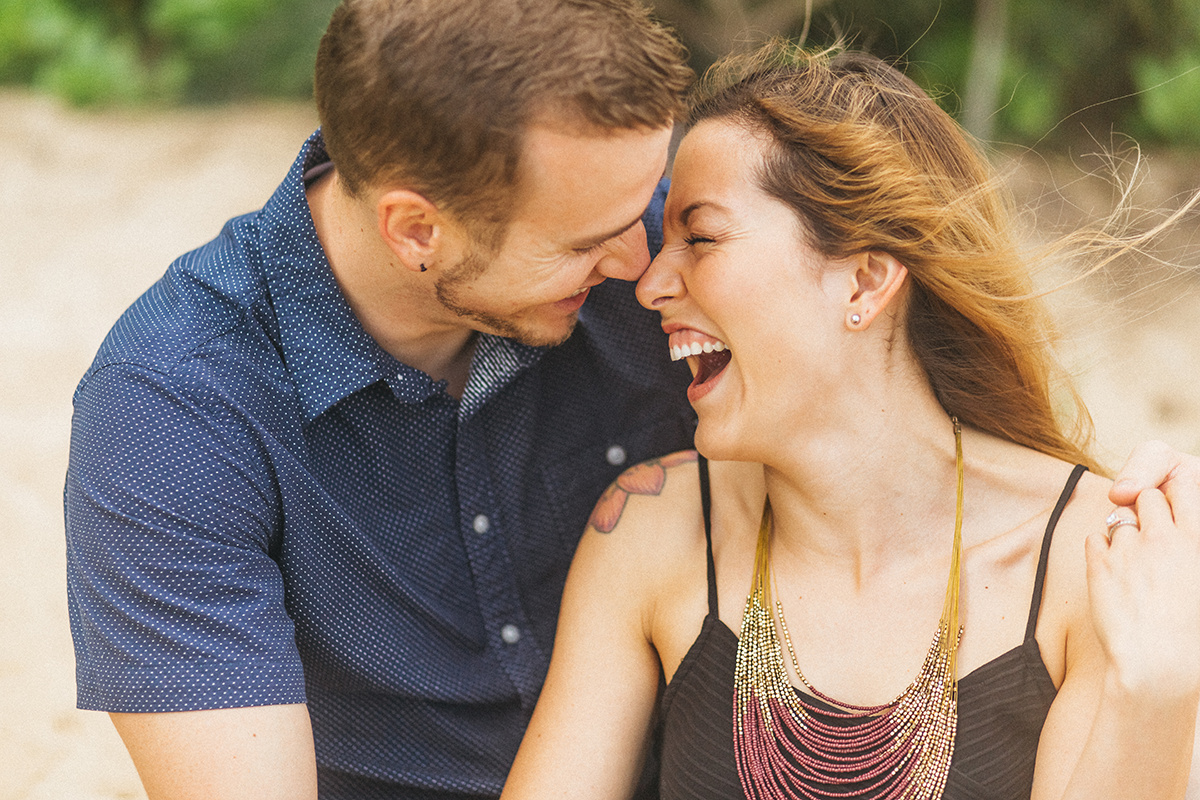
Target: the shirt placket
pixel 509 634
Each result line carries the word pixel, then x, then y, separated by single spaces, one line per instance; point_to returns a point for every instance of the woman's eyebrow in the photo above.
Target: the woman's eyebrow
pixel 693 207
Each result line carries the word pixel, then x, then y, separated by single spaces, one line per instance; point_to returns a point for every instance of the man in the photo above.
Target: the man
pixel 327 474
pixel 328 471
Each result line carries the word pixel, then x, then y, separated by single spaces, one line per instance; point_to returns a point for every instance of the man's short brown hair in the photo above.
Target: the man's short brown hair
pixel 435 95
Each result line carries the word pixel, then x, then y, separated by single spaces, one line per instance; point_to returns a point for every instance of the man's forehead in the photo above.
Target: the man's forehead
pixel 596 183
pixel 546 143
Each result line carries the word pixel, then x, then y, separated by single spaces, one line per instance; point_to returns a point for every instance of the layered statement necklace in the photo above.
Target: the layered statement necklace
pixel 788 746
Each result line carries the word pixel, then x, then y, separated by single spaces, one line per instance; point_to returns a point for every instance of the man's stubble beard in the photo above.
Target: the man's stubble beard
pixel 472 266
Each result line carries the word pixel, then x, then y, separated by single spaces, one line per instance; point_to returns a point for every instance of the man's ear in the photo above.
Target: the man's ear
pixel 411 226
pixel 876 280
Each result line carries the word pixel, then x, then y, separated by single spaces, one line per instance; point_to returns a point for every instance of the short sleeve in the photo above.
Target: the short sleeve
pixel 176 602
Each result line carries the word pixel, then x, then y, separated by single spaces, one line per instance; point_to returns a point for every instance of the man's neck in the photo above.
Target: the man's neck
pixel 397 310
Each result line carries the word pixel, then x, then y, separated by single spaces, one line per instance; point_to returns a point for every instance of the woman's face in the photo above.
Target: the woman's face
pixel 758 314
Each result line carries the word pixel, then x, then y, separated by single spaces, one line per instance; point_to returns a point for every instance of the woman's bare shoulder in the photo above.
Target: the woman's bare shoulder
pixel 657 492
pixel 645 538
pixel 1065 621
pixel 661 498
pixel 1083 515
pixel 647 525
pixel 646 542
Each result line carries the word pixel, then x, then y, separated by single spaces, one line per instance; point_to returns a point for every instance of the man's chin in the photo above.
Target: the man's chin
pixel 530 334
pixel 546 337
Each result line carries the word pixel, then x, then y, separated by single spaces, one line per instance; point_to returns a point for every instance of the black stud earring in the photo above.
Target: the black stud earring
pixel 423 268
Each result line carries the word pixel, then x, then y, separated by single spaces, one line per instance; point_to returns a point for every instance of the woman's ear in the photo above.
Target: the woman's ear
pixel 875 281
pixel 411 226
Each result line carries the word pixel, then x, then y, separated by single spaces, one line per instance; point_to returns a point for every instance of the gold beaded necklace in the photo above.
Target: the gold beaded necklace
pixel 790 747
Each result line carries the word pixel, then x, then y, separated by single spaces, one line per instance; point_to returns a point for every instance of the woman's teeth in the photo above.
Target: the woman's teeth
pixel 696 348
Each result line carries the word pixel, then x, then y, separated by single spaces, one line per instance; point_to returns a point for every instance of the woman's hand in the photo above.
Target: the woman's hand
pixel 1133 659
pixel 1144 590
pixel 1157 465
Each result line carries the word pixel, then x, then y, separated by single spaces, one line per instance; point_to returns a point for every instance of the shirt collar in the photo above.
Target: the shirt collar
pixel 325 347
pixel 496 362
pixel 327 351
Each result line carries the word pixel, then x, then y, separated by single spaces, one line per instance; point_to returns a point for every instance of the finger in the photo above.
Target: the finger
pixel 1183 491
pixel 1095 551
pixel 1148 466
pixel 1121 517
pixel 1095 548
pixel 1097 558
pixel 1154 512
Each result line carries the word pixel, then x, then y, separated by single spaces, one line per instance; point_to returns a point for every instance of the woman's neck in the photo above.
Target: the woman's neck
pixel 868 488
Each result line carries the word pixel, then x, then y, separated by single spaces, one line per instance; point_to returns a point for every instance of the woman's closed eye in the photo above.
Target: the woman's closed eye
pixel 695 240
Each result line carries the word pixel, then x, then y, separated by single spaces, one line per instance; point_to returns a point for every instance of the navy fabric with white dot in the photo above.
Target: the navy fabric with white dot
pixel 264 507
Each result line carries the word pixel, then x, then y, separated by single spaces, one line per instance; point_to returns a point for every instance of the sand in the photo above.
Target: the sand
pixel 94 206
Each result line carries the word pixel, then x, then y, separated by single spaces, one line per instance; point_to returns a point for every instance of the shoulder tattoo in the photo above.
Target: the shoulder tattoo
pixel 645 478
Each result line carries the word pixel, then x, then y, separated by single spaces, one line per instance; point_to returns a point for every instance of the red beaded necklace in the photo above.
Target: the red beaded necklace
pixel 788 746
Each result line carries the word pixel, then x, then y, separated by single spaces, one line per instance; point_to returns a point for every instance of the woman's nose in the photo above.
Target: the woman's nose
pixel 660 282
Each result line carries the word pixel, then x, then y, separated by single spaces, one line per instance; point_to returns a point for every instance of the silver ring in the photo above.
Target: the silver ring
pixel 1115 520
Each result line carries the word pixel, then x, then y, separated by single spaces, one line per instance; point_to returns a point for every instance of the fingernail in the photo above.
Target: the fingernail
pixel 1126 485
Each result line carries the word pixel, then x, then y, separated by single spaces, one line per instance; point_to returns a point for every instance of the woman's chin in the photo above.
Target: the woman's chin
pixel 720 443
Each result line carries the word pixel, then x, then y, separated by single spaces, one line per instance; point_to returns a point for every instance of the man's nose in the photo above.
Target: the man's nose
pixel 627 256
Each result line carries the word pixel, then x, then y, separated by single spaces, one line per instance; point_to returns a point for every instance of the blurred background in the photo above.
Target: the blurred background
pixel 132 129
pixel 1022 70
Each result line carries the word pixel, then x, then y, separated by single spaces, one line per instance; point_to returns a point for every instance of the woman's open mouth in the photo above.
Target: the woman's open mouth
pixel 707 358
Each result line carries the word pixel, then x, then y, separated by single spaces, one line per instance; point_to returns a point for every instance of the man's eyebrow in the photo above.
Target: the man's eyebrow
pixel 596 240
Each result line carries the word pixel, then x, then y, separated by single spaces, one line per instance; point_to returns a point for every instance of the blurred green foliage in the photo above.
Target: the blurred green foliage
pixel 1071 68
pixel 1171 104
pixel 137 51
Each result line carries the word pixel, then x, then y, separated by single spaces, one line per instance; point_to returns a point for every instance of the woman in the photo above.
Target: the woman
pixel 840 275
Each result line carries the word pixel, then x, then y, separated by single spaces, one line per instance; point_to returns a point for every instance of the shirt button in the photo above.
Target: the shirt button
pixel 481 524
pixel 511 634
pixel 616 455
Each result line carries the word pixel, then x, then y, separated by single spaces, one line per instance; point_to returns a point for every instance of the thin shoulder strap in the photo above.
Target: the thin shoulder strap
pixel 706 506
pixel 1040 579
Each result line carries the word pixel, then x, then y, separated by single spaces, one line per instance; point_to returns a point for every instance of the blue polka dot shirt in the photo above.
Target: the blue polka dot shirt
pixel 263 506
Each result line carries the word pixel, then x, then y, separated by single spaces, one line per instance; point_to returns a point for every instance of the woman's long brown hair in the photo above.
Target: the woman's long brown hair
pixel 869 162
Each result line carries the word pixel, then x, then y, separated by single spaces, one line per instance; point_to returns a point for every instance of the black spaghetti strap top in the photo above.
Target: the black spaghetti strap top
pixel 1002 705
